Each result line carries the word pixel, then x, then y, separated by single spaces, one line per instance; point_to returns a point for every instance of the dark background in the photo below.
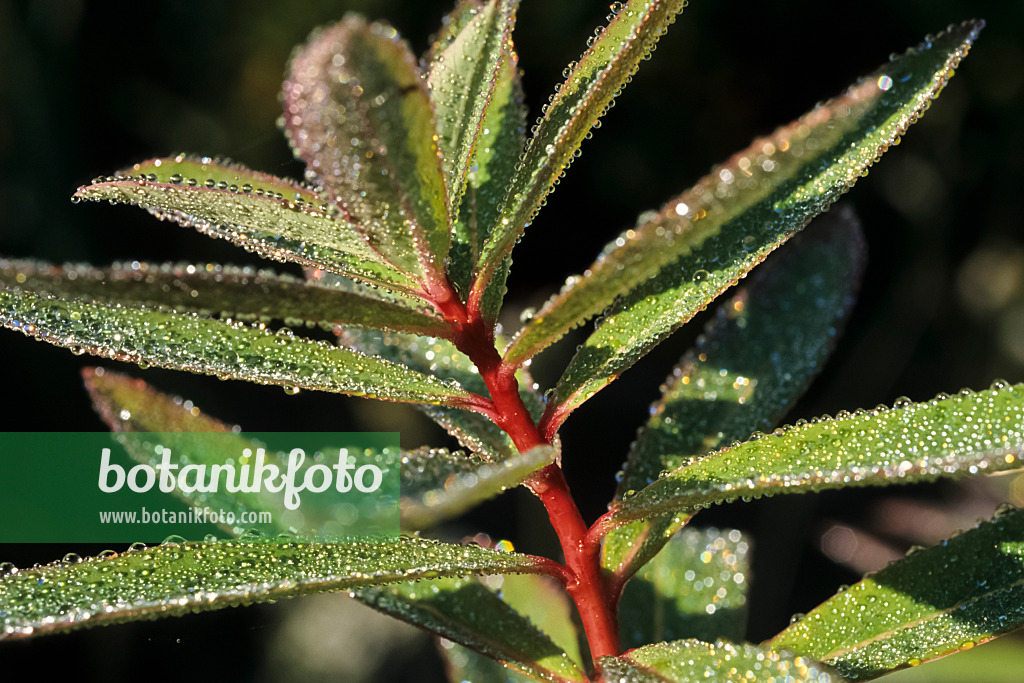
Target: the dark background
pixel 86 88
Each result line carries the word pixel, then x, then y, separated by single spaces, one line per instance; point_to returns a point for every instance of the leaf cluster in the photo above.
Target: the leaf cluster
pixel 421 177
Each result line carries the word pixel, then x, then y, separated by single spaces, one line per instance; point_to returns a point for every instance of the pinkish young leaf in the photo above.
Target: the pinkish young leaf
pixel 273 217
pixel 358 112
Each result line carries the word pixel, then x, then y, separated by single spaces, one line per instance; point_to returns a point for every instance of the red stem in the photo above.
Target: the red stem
pixel 583 560
pixel 584 577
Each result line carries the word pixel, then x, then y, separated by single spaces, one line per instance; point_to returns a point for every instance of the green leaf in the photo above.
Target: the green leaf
pixel 695 588
pixel 658 275
pixel 759 353
pixel 997 662
pixel 464 611
pixel 269 216
pixel 174 579
pixel 438 484
pixel 934 602
pixel 462 82
pixel 214 290
pixel 359 114
pixel 690 661
pixel 591 85
pixel 627 548
pixel 754 360
pixel 501 143
pixel 453 608
pixel 970 433
pixel 435 484
pixel 545 603
pixel 131 406
pixel 134 409
pixel 188 342
pixel 127 404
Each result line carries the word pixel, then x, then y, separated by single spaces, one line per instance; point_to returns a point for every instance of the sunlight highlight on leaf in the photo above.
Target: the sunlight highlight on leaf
pixel 269 216
pixel 231 351
pixel 970 433
pixel 212 290
pixel 658 275
pixel 935 602
pixel 588 91
pixel 358 112
pixel 684 661
pixel 174 579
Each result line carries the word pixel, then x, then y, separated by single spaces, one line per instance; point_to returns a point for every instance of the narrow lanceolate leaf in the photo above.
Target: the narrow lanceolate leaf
pixel 970 433
pixel 229 350
pixel 462 82
pixel 174 579
pixel 658 275
pixel 759 353
pixel 269 216
pixel 690 661
pixel 937 601
pixel 440 357
pixel 465 612
pixel 540 599
pixel 464 664
pixel 695 588
pixel 499 143
pixel 588 91
pixel 502 137
pixel 214 290
pixel 753 361
pixel 449 607
pixel 127 404
pixel 438 484
pixel 358 113
pixel 134 408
